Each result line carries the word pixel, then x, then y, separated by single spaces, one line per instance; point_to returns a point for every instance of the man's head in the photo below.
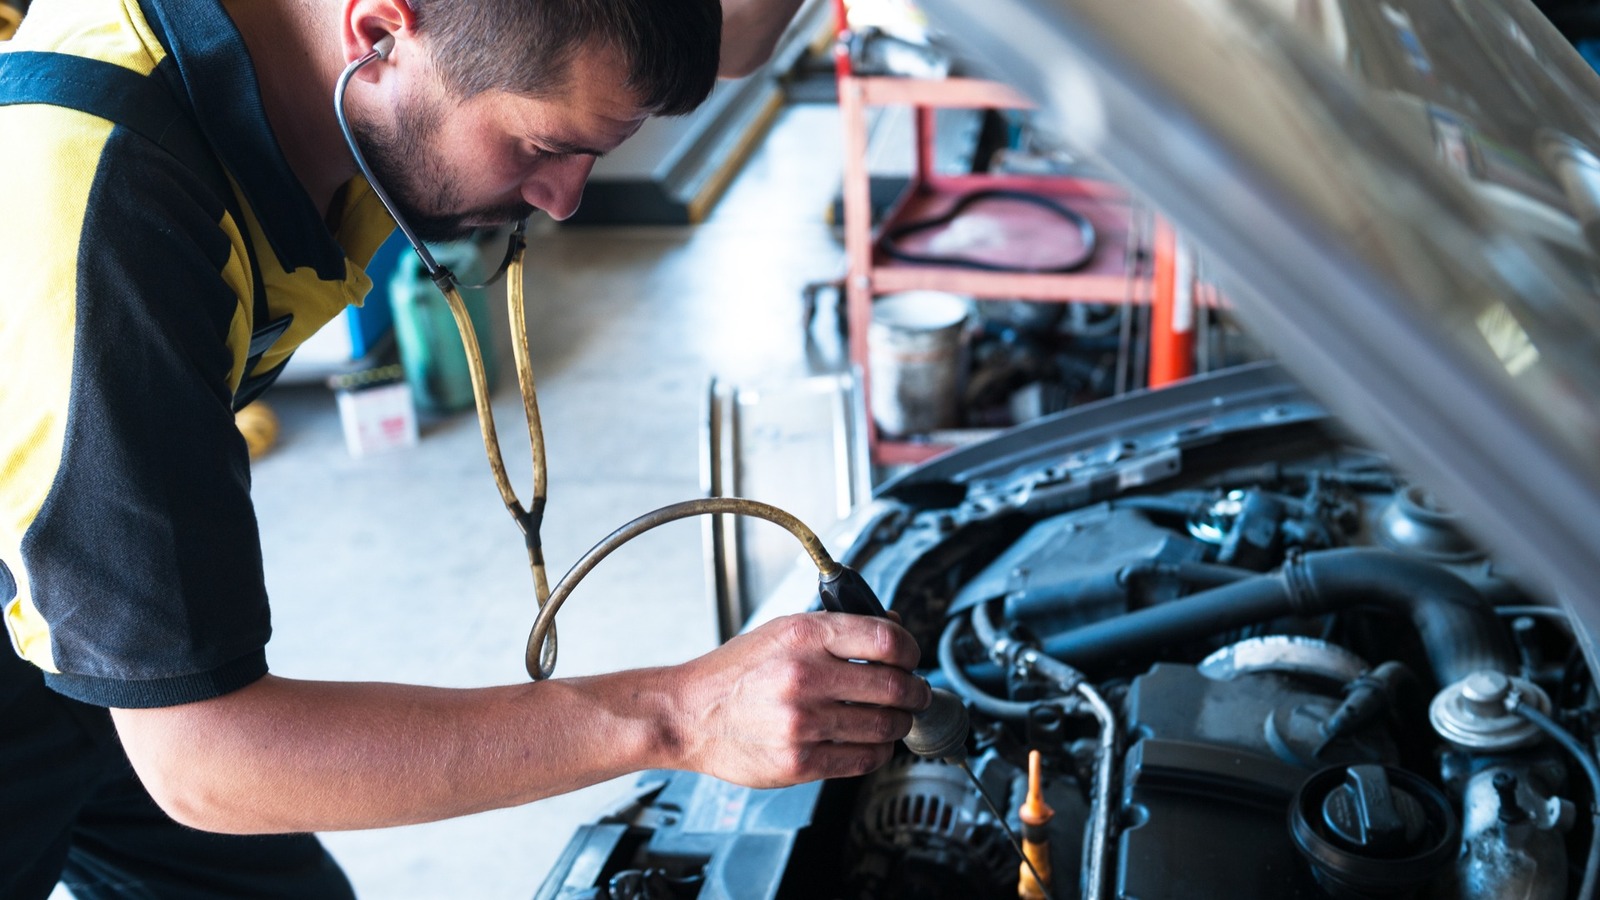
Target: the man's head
pixel 495 107
pixel 667 48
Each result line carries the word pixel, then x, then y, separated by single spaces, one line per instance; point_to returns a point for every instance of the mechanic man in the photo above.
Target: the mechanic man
pixel 183 212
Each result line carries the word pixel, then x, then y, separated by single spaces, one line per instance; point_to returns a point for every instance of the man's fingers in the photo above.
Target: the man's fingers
pixel 846 641
pixel 847 724
pixel 815 695
pixel 876 685
pixel 874 640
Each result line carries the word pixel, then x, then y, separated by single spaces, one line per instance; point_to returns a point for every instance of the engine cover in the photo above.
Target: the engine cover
pixel 1210 775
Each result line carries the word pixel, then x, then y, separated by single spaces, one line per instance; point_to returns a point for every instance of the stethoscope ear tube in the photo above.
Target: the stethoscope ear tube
pixel 438 272
pixel 516 243
pixel 380 50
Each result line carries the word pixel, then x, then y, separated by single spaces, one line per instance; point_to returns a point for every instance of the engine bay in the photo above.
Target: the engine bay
pixel 1304 670
pixel 1253 661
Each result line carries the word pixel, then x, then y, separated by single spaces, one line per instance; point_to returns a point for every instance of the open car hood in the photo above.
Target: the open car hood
pixel 1403 203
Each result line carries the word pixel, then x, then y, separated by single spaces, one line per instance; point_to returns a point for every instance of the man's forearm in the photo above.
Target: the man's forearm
pixel 283 755
pixel 785 703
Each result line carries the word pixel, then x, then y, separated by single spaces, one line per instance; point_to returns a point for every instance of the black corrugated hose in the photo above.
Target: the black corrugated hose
pixel 1457 625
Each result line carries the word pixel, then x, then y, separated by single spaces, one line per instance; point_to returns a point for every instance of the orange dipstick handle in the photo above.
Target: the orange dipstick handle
pixel 1035 815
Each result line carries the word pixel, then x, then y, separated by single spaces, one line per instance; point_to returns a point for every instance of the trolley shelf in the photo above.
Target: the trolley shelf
pixel 1029 234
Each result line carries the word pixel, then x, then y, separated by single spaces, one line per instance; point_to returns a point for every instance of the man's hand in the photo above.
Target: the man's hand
pixel 785 703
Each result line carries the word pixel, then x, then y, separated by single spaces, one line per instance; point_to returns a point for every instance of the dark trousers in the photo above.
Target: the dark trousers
pixel 71 809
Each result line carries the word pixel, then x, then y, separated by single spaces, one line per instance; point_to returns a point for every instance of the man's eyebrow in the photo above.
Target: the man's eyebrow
pixel 569 148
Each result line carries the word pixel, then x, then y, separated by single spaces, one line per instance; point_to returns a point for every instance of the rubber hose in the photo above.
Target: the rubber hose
pixel 1456 624
pixel 1113 588
pixel 983 628
pixel 976 697
pixel 1585 761
pixel 1194 574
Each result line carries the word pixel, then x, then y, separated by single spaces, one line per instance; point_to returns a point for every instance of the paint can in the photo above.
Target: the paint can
pixel 915 353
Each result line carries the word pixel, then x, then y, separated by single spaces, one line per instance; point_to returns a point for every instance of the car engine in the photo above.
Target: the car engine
pixel 1251 659
pixel 1309 664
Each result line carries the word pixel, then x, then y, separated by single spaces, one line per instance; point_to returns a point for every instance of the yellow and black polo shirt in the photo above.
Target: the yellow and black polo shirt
pixel 160 264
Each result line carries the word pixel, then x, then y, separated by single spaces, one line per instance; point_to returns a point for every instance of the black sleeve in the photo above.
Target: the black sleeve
pixel 145 561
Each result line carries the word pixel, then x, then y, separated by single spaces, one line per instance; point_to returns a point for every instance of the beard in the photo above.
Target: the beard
pixel 424 196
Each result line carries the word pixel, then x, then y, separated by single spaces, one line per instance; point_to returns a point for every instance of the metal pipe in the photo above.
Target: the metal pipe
pixel 1097 842
pixel 1097 836
pixel 1585 761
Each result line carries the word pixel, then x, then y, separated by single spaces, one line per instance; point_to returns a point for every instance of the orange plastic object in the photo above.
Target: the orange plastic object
pixel 1172 312
pixel 1035 814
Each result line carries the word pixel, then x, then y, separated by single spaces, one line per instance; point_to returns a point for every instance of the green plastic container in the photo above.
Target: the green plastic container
pixel 430 344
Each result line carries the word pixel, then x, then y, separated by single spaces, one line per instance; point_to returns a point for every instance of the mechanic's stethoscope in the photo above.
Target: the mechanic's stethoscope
pixel 527 519
pixel 540 656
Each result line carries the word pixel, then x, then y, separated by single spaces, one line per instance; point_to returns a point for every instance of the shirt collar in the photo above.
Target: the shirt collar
pixel 220 81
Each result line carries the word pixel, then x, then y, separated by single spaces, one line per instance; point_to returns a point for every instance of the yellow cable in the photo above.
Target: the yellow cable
pixel 527 519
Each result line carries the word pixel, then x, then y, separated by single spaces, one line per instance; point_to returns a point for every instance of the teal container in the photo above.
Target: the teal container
pixel 430 344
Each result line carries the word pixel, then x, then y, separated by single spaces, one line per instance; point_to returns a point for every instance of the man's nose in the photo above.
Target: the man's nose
pixel 557 186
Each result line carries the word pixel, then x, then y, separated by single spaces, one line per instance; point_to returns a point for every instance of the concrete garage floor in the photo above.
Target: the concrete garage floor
pixel 406 567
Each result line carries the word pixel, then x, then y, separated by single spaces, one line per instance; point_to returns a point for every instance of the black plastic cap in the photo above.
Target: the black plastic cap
pixel 1373 831
pixel 1370 815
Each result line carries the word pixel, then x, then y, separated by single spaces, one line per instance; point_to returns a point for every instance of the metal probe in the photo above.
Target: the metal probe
pixel 940 732
pixel 1001 819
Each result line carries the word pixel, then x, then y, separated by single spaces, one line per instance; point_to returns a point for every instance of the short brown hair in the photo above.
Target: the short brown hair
pixel 670 47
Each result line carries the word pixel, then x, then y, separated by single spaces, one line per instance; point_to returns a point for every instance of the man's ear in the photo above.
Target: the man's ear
pixel 366 23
